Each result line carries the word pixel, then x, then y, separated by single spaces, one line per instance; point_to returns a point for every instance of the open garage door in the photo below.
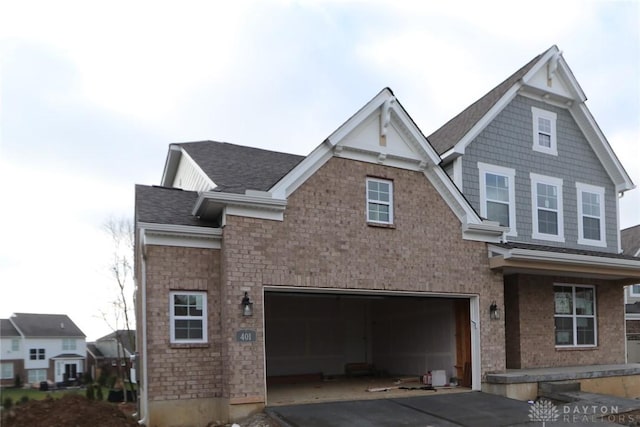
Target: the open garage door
pixel 314 336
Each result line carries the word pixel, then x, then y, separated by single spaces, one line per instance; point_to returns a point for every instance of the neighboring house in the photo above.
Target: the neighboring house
pixel 383 248
pixel 631 246
pixel 41 347
pixel 111 353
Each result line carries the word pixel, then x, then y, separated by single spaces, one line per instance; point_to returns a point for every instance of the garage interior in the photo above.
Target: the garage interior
pixel 328 346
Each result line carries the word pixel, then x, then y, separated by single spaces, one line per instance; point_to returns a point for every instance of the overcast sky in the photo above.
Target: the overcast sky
pixel 92 94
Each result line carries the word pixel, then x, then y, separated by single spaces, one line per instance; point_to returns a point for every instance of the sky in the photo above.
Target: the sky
pixel 92 94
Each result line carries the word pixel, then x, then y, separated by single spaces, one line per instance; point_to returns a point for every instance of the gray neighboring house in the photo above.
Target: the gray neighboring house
pixel 630 238
pixel 111 353
pixel 41 347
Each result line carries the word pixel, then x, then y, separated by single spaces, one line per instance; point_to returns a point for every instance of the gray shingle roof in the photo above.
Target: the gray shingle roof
pixel 91 347
pixel 46 325
pixel 126 338
pixel 236 168
pixel 630 240
pixel 7 329
pixel 451 132
pixel 162 205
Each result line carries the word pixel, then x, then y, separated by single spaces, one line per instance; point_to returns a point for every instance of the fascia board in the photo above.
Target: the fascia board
pixel 424 145
pixel 244 200
pixel 576 259
pixel 299 174
pixel 541 62
pixel 178 235
pixel 171 165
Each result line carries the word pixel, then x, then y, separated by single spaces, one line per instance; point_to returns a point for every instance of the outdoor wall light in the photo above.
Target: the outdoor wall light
pixel 494 311
pixel 247 305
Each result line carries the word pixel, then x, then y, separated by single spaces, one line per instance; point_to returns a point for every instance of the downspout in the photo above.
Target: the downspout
pixel 143 365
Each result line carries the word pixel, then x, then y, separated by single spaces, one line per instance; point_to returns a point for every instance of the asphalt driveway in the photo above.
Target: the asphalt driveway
pixel 474 409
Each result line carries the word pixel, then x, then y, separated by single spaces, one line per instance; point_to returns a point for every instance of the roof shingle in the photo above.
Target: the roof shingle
pixel 630 240
pixel 162 205
pixel 46 325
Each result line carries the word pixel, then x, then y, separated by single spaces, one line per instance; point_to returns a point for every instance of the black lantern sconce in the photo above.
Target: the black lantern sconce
pixel 247 305
pixel 494 311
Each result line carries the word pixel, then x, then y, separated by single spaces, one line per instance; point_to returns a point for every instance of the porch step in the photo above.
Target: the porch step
pixel 558 390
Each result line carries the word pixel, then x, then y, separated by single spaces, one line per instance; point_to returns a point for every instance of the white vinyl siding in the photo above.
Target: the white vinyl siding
pixel 379 201
pixel 575 316
pixel 497 195
pixel 544 131
pixel 547 212
pixel 188 317
pixel 591 225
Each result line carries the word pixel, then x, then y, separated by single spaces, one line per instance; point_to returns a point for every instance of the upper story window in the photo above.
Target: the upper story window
pixel 575 315
pixel 544 131
pixel 68 344
pixel 546 199
pixel 379 201
pixel 188 317
pixel 15 344
pixel 497 195
pixel 591 226
pixel 634 290
pixel 36 354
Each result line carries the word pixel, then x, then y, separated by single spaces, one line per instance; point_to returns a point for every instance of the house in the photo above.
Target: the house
pixel 111 354
pixel 631 246
pixel 479 248
pixel 41 347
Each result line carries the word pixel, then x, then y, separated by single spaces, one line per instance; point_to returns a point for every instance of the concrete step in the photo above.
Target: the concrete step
pixel 558 390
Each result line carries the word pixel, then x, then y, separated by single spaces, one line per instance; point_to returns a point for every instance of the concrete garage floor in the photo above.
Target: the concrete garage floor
pixel 342 388
pixel 473 409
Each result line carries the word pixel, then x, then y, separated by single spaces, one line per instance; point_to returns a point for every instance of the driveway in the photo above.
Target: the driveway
pixel 473 409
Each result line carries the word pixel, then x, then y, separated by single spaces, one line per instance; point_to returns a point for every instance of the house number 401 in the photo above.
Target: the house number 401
pixel 246 335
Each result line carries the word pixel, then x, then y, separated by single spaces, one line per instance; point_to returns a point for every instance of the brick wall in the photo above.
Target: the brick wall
pixel 324 242
pixel 536 326
pixel 182 371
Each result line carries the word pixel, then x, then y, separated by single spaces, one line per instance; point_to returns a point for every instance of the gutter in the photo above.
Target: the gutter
pixel 145 374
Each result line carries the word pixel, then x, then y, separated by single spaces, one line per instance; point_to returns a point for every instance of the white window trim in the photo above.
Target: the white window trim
pixel 552 117
pixel 557 182
pixel 580 188
pixel 173 318
pixel 9 367
pixel 390 203
pixel 575 316
pixel 485 168
pixel 632 293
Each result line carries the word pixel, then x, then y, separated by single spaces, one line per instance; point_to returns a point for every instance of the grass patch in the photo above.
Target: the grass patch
pixel 16 394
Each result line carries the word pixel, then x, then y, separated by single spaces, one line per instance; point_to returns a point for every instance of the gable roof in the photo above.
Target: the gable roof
pixel 45 325
pixel 630 241
pixel 234 168
pixel 7 329
pixel 126 338
pixel 162 205
pixel 94 351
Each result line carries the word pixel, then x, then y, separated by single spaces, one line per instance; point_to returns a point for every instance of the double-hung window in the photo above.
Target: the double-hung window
pixel 591 227
pixel 68 344
pixel 634 290
pixel 188 317
pixel 36 354
pixel 575 316
pixel 379 201
pixel 497 195
pixel 546 199
pixel 15 344
pixel 36 375
pixel 6 371
pixel 544 131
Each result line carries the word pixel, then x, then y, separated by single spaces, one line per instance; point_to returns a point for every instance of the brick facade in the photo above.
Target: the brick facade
pixel 529 306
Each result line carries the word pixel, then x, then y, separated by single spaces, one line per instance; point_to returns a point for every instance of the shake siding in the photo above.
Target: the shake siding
pixel 507 141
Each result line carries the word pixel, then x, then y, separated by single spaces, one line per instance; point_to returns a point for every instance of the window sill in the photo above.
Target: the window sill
pixel 189 345
pixel 580 348
pixel 380 225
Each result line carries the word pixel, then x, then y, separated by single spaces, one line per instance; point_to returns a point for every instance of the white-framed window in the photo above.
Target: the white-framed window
pixel 379 201
pixel 15 344
pixel 68 344
pixel 634 290
pixel 497 195
pixel 544 131
pixel 188 317
pixel 575 315
pixel 36 375
pixel 6 371
pixel 546 199
pixel 591 225
pixel 36 354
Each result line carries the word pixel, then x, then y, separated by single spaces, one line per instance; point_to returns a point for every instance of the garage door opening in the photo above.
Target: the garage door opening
pixel 322 346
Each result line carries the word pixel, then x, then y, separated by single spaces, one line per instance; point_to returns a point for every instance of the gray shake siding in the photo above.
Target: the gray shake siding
pixel 507 141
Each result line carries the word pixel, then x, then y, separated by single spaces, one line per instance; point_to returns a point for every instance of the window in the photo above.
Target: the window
pixel 575 315
pixel 6 371
pixel 546 194
pixel 68 344
pixel 36 354
pixel 544 131
pixel 497 195
pixel 379 201
pixel 634 290
pixel 15 344
pixel 591 227
pixel 188 317
pixel 36 375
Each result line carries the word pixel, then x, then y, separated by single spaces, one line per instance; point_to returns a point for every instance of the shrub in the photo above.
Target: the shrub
pixel 17 381
pixel 24 399
pixel 102 379
pixel 90 392
pixel 7 403
pixel 99 395
pixel 86 378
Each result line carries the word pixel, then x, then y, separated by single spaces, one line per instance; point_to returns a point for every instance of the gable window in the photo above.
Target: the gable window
pixel 15 344
pixel 36 354
pixel 6 371
pixel 575 316
pixel 591 227
pixel 497 195
pixel 544 131
pixel 68 344
pixel 546 199
pixel 379 201
pixel 188 313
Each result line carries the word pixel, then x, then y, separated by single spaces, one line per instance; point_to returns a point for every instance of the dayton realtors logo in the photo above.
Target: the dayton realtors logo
pixel 545 411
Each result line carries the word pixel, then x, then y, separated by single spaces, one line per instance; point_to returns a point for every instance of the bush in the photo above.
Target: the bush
pixel 86 378
pixel 7 403
pixel 102 379
pixel 90 392
pixel 23 399
pixel 17 381
pixel 99 395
